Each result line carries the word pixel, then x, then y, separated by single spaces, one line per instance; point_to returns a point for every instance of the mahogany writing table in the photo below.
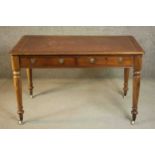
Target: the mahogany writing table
pixel 76 52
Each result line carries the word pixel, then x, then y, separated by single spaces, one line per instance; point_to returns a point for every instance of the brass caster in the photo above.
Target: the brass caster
pixel 20 122
pixel 132 122
pixel 124 94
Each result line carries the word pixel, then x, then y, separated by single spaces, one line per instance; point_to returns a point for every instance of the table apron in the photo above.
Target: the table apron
pixel 75 61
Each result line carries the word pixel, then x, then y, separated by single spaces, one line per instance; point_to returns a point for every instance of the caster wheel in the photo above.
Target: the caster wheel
pixel 20 122
pixel 132 122
pixel 31 96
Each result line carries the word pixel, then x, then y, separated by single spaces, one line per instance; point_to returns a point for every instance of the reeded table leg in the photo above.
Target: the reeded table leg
pixel 30 83
pixel 126 78
pixel 136 86
pixel 18 86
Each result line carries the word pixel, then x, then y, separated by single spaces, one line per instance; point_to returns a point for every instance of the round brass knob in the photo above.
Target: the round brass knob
pixel 120 59
pixel 61 60
pixel 33 60
pixel 92 60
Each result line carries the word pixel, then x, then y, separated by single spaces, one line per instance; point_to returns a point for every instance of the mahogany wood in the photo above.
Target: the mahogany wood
pixel 77 52
pixel 136 85
pixel 126 78
pixel 76 45
pixel 17 85
pixel 30 83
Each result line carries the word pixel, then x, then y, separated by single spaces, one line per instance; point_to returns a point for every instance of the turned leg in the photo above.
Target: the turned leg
pixel 126 78
pixel 18 86
pixel 30 83
pixel 136 86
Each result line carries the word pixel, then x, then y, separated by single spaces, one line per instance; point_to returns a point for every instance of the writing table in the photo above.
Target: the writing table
pixel 34 51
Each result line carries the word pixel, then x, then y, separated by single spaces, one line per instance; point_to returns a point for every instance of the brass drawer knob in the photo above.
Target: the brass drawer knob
pixel 32 60
pixel 92 60
pixel 61 60
pixel 120 59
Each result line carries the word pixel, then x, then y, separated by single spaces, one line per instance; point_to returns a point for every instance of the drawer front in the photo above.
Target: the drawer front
pixel 107 61
pixel 47 61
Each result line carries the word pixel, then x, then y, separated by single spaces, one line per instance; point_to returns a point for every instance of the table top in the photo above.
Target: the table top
pixel 76 45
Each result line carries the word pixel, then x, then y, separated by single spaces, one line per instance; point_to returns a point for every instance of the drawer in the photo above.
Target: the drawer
pixel 107 61
pixel 47 61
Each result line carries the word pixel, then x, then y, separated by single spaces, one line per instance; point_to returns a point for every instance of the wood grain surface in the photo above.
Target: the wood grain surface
pixel 76 45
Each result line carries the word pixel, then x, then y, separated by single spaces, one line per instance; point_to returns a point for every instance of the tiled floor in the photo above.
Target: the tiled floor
pixel 77 103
